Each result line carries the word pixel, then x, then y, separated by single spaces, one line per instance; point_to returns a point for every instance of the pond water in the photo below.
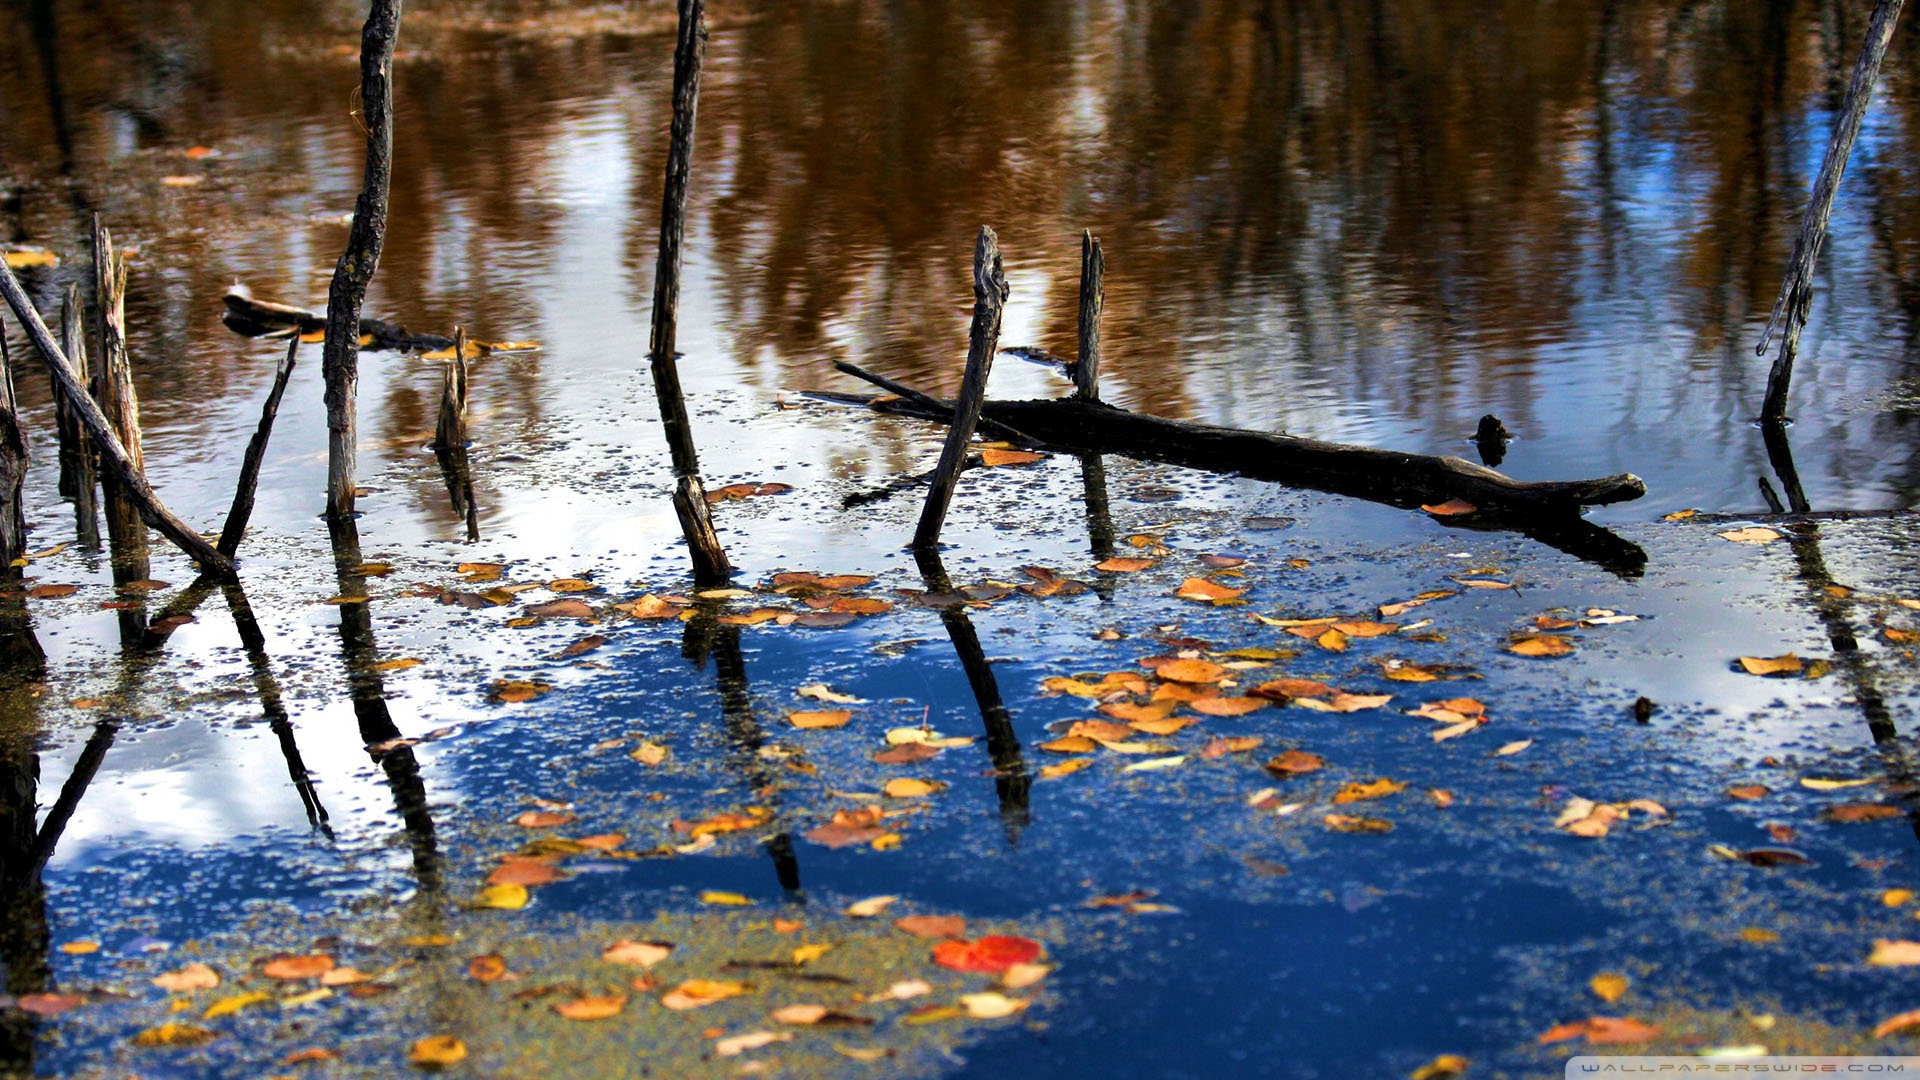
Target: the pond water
pixel 1364 223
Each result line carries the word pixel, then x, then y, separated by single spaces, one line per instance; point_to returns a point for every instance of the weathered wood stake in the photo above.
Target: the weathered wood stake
pixel 242 508
pixel 113 389
pixel 451 431
pixel 989 296
pixel 79 480
pixel 340 355
pixel 1093 300
pixel 113 456
pixel 1796 290
pixel 710 565
pixel 13 473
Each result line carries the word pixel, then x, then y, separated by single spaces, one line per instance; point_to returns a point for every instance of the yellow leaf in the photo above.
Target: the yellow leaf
pixel 230 1005
pixel 174 1035
pixel 1821 783
pixel 695 993
pixel 828 718
pixel 1894 953
pixel 401 664
pixel 1894 898
pixel 1541 645
pixel 437 1050
pixel 592 1008
pixel 630 953
pixel 1372 789
pixel 908 788
pixel 507 897
pixel 724 899
pixel 1680 515
pixel 1065 768
pixel 809 952
pixel 649 753
pixel 1444 1067
pixel 1754 935
pixel 21 260
pixel 191 977
pixel 80 948
pixel 1608 986
pixel 307 998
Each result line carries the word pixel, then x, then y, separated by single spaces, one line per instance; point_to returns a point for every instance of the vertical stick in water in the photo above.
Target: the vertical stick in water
pixel 113 389
pixel 1796 291
pixel 13 472
pixel 710 564
pixel 989 296
pixel 451 430
pixel 1093 300
pixel 340 355
pixel 242 509
pixel 78 479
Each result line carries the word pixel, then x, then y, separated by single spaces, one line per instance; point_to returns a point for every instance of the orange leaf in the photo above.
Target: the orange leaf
pixel 1294 763
pixel 298 967
pixel 827 718
pixel 543 819
pixel 1226 706
pixel 1204 590
pixel 1450 508
pixel 592 1008
pixel 933 926
pixel 1541 645
pixel 1192 671
pixel 488 967
pixel 1010 457
pixel 989 955
pixel 1120 564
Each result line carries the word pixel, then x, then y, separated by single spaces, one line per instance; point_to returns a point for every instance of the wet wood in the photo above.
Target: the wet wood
pixel 13 473
pixel 1093 300
pixel 262 318
pixel 113 456
pixel 451 430
pixel 927 401
pixel 983 339
pixel 710 565
pixel 1399 479
pixel 113 389
pixel 1790 310
pixel 79 480
pixel 242 508
pixel 340 353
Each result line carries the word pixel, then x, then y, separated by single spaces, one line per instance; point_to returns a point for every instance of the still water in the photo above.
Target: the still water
pixel 1362 222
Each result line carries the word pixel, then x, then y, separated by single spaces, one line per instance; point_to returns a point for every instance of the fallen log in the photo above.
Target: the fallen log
pixel 1545 511
pixel 1389 476
pixel 249 317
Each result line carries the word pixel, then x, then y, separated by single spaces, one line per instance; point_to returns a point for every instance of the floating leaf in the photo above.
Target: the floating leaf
pixel 31 257
pixel 932 926
pixel 1772 665
pixel 1233 744
pixel 989 955
pixel 229 1005
pixel 1888 953
pixel 516 690
pixel 52 1004
pixel 1893 1024
pixel 1450 508
pixel 829 718
pixel 695 993
pixel 505 897
pixel 1853 813
pixel 820 692
pixel 1752 535
pixel 1206 591
pixel 1344 702
pixel 1349 823
pixel 995 458
pixel 908 788
pixel 735 1045
pixel 642 954
pixel 543 819
pixel 1064 768
pixel 1191 671
pixel 1512 748
pixel 488 968
pixel 52 592
pixel 990 1005
pixel 1156 764
pixel 599 1007
pixel 293 968
pixel 1608 986
pixel 171 1034
pixel 1821 783
pixel 870 907
pixel 1120 564
pixel 649 753
pixel 807 953
pixel 1295 763
pixel 724 899
pixel 1749 791
pixel 189 978
pixel 436 1051
pixel 80 948
pixel 1372 789
pixel 1444 1067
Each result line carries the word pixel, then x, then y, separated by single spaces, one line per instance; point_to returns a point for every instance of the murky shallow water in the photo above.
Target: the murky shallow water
pixel 1363 227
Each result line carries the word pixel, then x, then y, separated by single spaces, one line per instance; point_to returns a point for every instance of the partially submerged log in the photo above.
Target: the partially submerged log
pixel 1545 511
pixel 1389 476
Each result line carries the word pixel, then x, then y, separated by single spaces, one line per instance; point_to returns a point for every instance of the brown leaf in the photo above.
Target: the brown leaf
pixel 1295 763
pixel 521 870
pixel 591 1008
pixel 824 718
pixel 933 926
pixel 543 819
pixel 1120 564
pixel 1284 689
pixel 561 609
pixel 1852 813
pixel 1541 645
pixel 191 977
pixel 52 592
pixel 913 753
pixel 1372 789
pixel 488 968
pixel 292 968
pixel 1749 791
pixel 583 646
pixel 1788 664
pixel 1349 823
pixel 49 1004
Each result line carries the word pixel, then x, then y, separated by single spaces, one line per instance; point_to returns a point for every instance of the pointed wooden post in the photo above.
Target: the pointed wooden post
pixel 13 473
pixel 1796 290
pixel 710 565
pixel 79 480
pixel 340 355
pixel 1093 301
pixel 113 389
pixel 989 298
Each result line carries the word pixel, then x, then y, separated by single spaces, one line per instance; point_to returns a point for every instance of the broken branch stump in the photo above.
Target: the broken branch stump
pixel 242 509
pixel 113 389
pixel 989 297
pixel 1093 300
pixel 710 565
pixel 79 480
pixel 113 456
pixel 13 473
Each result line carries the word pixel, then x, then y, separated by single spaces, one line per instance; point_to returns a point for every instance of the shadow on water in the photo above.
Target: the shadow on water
pixel 25 939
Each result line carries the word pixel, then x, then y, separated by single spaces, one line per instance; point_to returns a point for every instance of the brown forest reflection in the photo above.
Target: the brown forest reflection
pixel 1427 209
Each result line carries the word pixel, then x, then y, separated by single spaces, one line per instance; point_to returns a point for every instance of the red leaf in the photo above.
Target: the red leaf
pixel 990 955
